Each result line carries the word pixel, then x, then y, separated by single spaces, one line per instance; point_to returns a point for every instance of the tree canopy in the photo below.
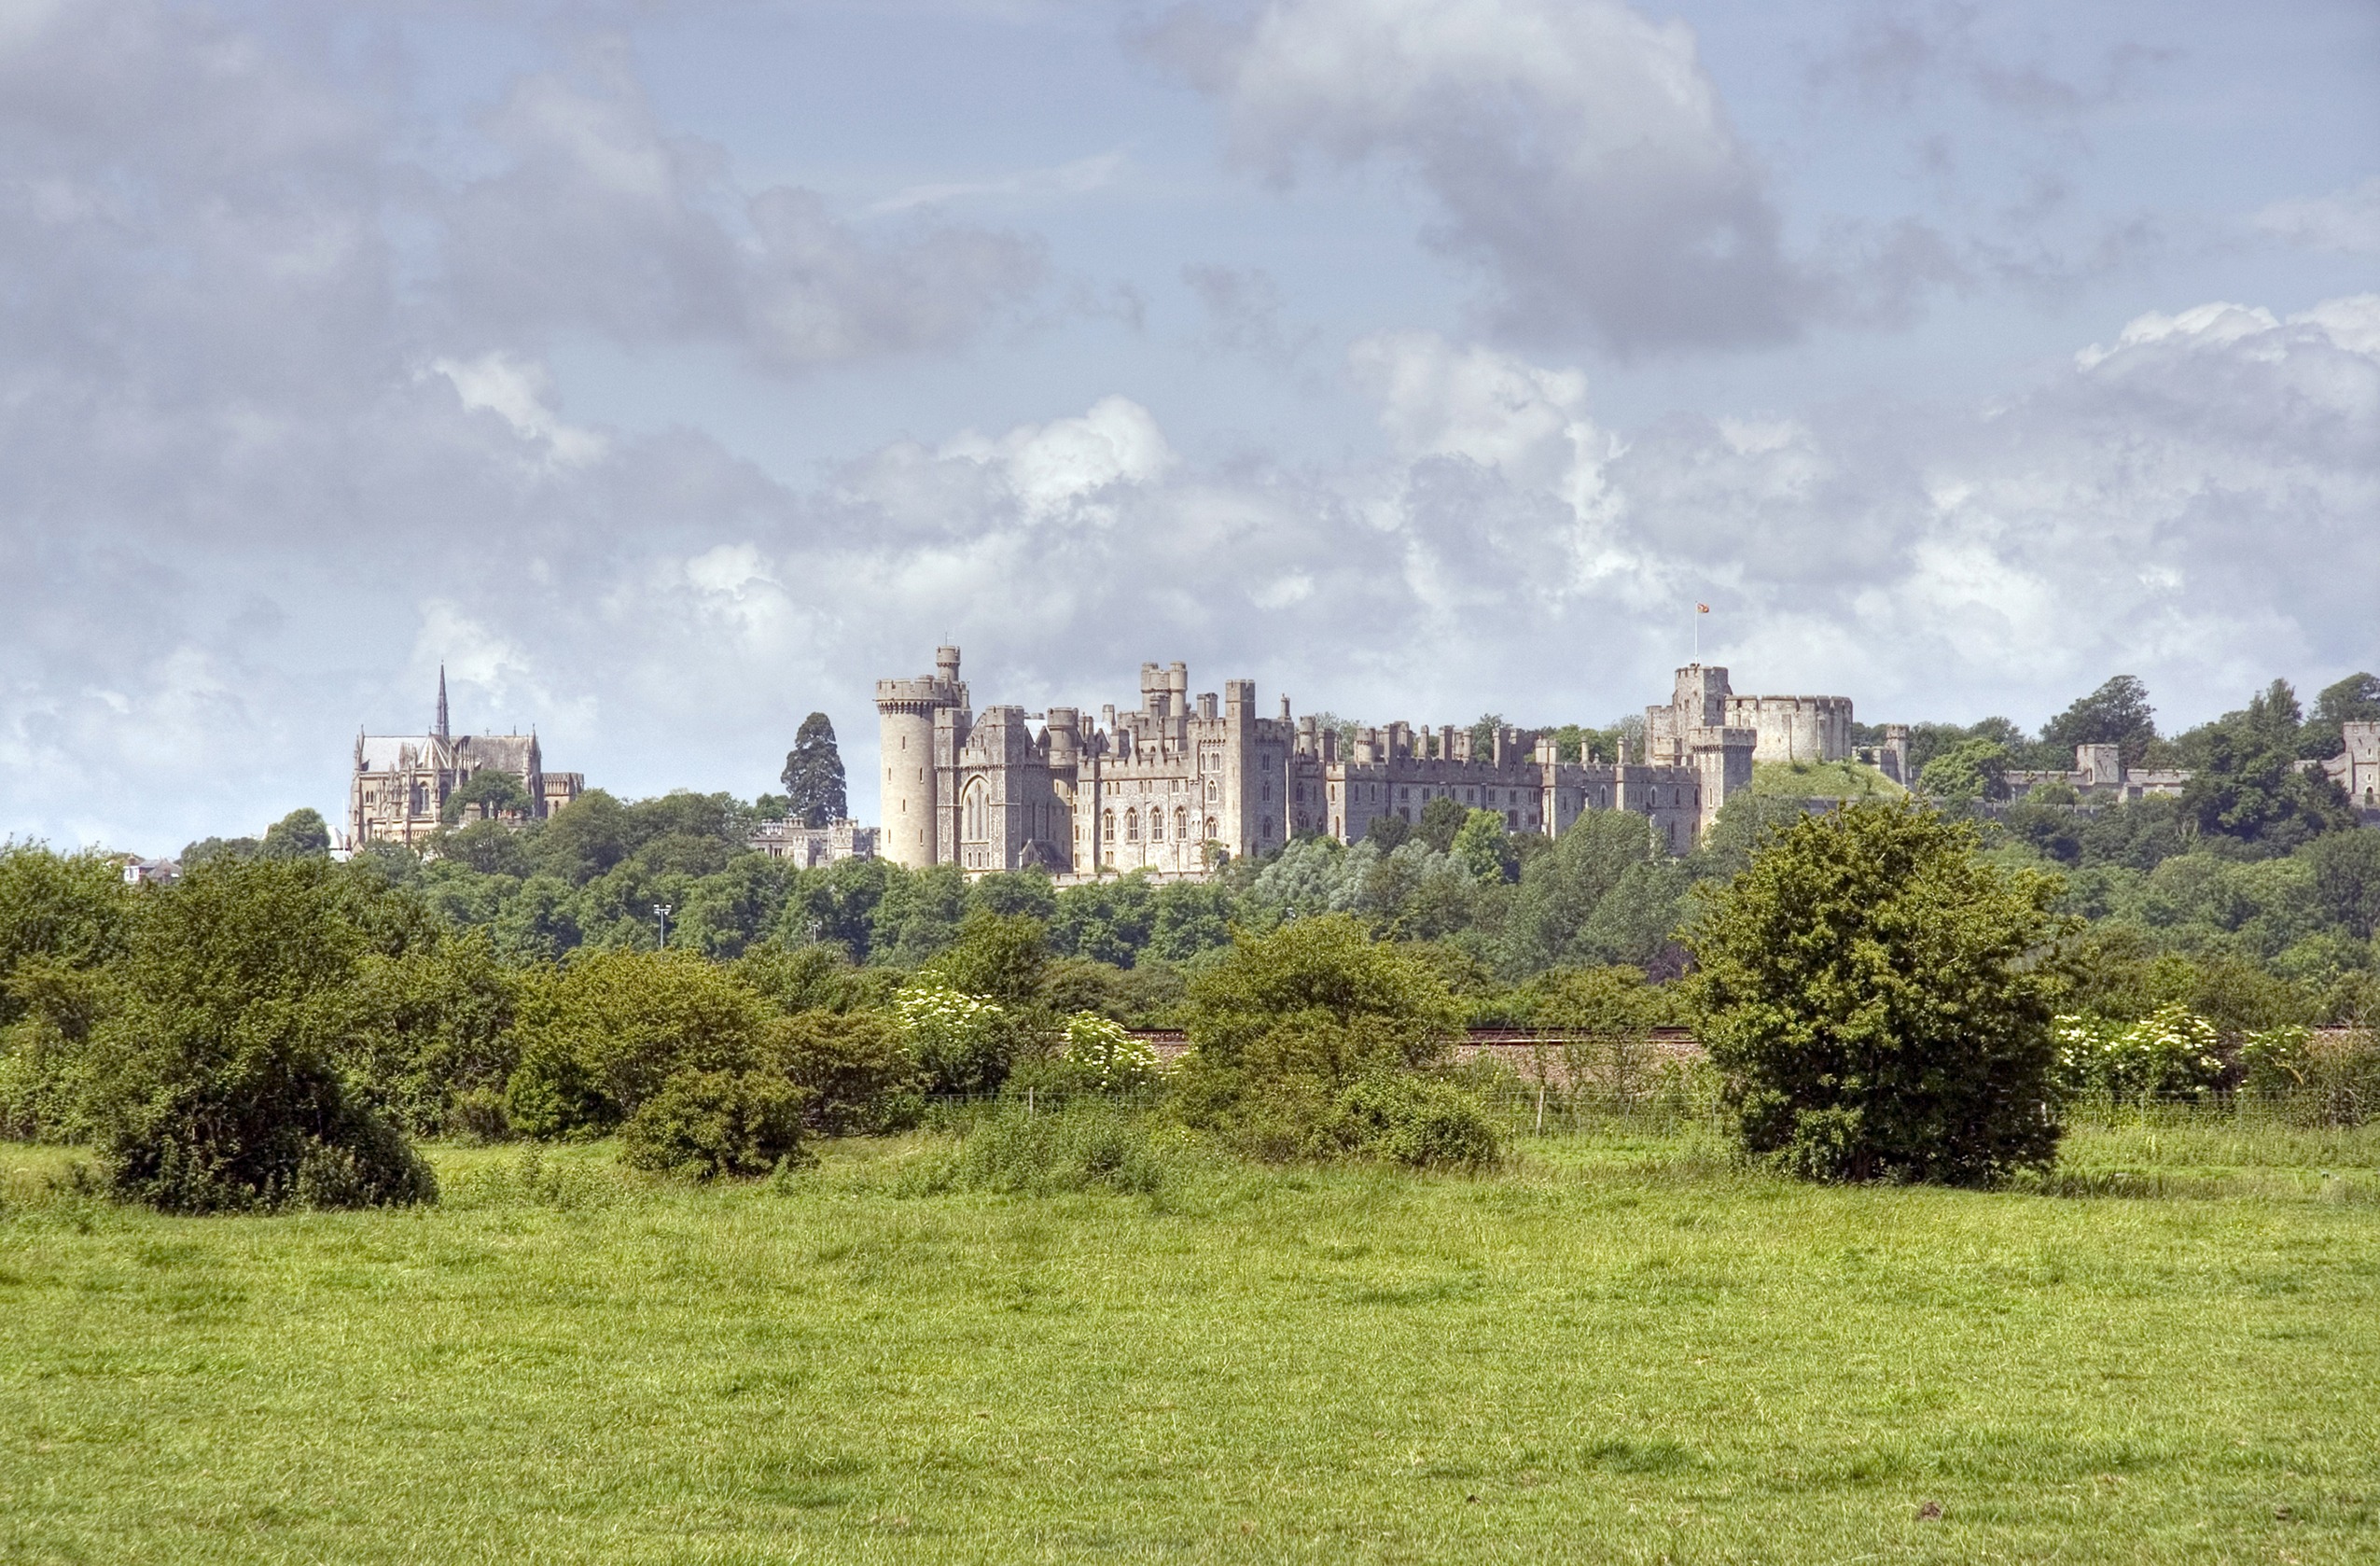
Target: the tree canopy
pixel 1874 991
pixel 812 775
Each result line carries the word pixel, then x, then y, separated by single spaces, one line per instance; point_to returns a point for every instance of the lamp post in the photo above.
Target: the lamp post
pixel 661 910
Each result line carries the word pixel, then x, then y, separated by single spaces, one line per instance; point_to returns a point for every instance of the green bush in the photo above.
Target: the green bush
pixel 705 1125
pixel 213 1086
pixel 599 1037
pixel 964 1043
pixel 2169 1054
pixel 1878 997
pixel 434 1028
pixel 2316 1080
pixel 1419 1122
pixel 862 1077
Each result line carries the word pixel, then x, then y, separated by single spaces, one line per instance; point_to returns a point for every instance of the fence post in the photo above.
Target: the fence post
pixel 1541 1130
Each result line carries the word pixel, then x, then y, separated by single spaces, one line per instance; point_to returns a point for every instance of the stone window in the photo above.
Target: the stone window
pixel 1181 823
pixel 1108 821
pixel 1211 833
pixel 1157 826
pixel 978 814
pixel 1132 826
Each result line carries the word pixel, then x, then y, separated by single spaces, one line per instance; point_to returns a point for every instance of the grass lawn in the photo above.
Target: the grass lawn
pixel 1823 781
pixel 1620 1351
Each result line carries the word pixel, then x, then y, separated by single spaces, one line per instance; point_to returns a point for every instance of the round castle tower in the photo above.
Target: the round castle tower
pixel 905 710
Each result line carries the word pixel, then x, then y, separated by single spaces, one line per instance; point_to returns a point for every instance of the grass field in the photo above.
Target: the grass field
pixel 1620 1350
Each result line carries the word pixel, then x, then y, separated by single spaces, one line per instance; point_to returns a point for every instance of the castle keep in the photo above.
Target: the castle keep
pixel 1178 783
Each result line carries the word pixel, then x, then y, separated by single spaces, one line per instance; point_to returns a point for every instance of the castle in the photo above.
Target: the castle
pixel 400 783
pixel 1175 786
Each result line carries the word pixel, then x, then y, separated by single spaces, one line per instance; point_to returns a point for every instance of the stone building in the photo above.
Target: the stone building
pixel 2100 776
pixel 1177 784
pixel 2356 770
pixel 1794 728
pixel 810 846
pixel 401 783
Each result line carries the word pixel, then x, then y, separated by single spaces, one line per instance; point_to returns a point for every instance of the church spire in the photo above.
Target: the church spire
pixel 441 700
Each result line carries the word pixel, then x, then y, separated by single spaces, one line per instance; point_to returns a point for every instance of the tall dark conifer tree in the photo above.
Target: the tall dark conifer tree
pixel 812 775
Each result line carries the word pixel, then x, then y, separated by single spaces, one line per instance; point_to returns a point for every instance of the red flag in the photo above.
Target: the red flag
pixel 1702 608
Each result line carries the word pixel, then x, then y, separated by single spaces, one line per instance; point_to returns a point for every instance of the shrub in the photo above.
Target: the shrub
pixel 214 1087
pixel 435 1027
pixel 2169 1054
pixel 2326 1080
pixel 1105 1056
pixel 964 1042
pixel 1877 997
pixel 863 1079
pixel 1419 1122
pixel 704 1124
pixel 1086 1145
pixel 601 1036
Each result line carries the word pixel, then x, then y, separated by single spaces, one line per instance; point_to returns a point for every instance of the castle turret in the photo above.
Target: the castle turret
pixel 906 710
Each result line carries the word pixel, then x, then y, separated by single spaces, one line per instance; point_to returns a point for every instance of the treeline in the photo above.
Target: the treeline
pixel 2248 791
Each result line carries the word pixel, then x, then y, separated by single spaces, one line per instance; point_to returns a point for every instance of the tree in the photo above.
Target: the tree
pixel 812 775
pixel 496 792
pixel 1319 996
pixel 2117 713
pixel 1481 847
pixel 601 1037
pixel 216 1084
pixel 298 835
pixel 1973 769
pixel 2246 782
pixel 1561 889
pixel 1441 818
pixel 1483 735
pixel 70 911
pixel 1877 999
pixel 2353 700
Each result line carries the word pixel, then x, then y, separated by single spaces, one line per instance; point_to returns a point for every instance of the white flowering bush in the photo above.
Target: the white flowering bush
pixel 1105 1055
pixel 2169 1053
pixel 964 1041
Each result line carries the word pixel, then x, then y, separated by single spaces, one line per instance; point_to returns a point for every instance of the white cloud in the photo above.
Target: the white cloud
pixel 2345 220
pixel 1076 178
pixel 1050 467
pixel 1575 148
pixel 517 392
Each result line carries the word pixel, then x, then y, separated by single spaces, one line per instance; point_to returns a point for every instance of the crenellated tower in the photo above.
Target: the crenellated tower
pixel 905 711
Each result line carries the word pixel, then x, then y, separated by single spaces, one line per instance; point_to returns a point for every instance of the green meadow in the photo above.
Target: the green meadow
pixel 1620 1348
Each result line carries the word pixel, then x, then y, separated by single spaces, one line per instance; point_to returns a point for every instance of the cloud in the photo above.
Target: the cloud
pixel 600 218
pixel 2346 221
pixel 517 392
pixel 1078 178
pixel 1574 149
pixel 1052 468
pixel 2189 501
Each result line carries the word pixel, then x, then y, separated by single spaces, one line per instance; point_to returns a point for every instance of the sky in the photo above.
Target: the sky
pixel 668 373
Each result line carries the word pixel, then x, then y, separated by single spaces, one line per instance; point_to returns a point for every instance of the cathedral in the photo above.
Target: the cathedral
pixel 398 790
pixel 1178 784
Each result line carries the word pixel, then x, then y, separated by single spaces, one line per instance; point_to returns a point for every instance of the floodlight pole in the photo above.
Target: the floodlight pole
pixel 661 910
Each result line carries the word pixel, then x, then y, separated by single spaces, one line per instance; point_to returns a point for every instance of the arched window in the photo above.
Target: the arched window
pixel 1156 825
pixel 978 814
pixel 1108 826
pixel 1181 824
pixel 1210 829
pixel 1132 826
